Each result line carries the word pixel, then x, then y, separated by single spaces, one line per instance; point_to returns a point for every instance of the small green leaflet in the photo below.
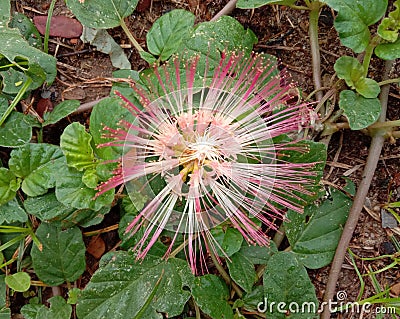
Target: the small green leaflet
pixel 389 27
pixel 354 18
pixel 76 145
pixel 359 111
pixel 19 281
pixel 351 70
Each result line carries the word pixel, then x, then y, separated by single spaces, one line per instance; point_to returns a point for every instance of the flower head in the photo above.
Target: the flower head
pixel 210 152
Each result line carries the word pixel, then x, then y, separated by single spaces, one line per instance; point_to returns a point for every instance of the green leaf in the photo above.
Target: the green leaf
pixel 368 88
pixel 252 299
pixel 351 70
pixel 13 79
pixel 38 165
pixel 5 313
pixel 124 87
pixel 316 153
pixel 19 281
pixel 242 271
pixel 256 254
pixel 252 4
pixel 108 112
pixel 389 27
pixel 5 9
pixel 229 241
pixel 90 178
pixel 58 309
pixel 16 130
pixel 48 208
pixel 242 263
pixel 211 294
pixel 3 291
pixel 211 38
pixel 15 48
pixel 167 33
pixel 73 295
pixel 388 51
pixel 101 14
pixel 12 212
pixel 123 288
pixel 286 282
pixel 72 192
pixel 148 57
pixel 75 143
pixel 62 257
pixel 314 235
pixel 359 111
pixel 27 29
pixel 9 184
pixel 61 110
pixel 354 18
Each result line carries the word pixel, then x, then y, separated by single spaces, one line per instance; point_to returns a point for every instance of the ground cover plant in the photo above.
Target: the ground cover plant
pixel 204 165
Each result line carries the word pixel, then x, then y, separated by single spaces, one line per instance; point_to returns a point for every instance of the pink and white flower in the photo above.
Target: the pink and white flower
pixel 211 149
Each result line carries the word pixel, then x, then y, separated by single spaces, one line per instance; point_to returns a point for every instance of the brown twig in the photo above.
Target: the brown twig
pixel 229 7
pixel 315 51
pixel 355 211
pixel 87 106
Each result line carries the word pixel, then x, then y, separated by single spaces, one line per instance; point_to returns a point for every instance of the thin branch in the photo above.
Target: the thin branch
pixel 87 106
pixel 359 199
pixel 315 53
pixel 223 273
pixel 229 7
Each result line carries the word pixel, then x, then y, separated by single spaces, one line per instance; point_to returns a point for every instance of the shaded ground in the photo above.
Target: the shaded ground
pixel 282 32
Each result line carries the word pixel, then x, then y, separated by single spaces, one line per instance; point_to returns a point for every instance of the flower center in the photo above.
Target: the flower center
pixel 197 155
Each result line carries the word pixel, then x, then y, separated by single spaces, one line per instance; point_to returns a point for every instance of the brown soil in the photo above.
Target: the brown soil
pixel 282 32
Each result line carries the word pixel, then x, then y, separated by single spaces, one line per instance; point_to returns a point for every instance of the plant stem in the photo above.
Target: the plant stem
pixel 368 54
pixel 16 100
pixel 293 6
pixel 359 199
pixel 279 236
pixel 385 124
pixel 181 246
pixel 389 81
pixel 223 273
pixel 48 23
pixel 196 309
pixel 130 36
pixel 396 134
pixel 40 135
pixel 315 53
